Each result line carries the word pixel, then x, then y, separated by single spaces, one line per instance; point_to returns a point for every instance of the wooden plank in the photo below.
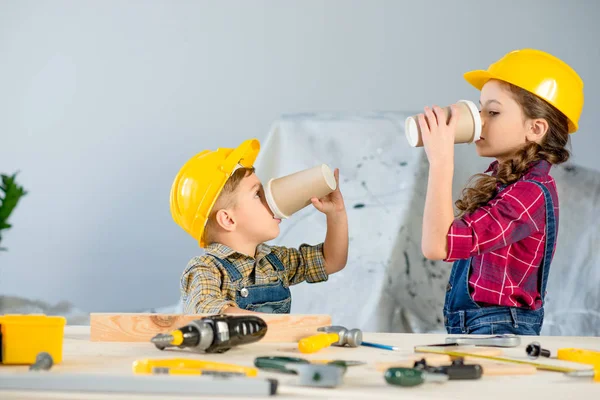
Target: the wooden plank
pixel 141 327
pixel 504 369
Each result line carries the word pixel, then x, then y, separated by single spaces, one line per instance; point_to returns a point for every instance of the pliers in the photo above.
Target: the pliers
pixel 278 363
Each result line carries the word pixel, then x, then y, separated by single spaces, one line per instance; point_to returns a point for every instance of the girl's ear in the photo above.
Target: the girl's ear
pixel 537 130
pixel 226 220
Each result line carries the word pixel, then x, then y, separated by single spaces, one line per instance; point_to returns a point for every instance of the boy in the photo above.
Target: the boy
pixel 219 201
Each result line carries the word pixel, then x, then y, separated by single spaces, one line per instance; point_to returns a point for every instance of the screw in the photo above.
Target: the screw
pixel 534 350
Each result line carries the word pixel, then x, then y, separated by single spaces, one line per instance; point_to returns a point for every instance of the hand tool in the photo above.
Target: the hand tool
pixel 457 370
pixel 318 375
pixel 349 337
pixel 586 374
pixel 407 377
pixel 507 340
pixel 546 367
pixel 214 334
pixel 583 356
pixel 534 350
pixel 381 346
pixel 310 374
pixel 332 335
pixel 188 366
pixel 278 363
pixel 489 368
pixel 140 384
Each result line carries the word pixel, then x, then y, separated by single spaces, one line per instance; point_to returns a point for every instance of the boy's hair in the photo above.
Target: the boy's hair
pixel 225 200
pixel 552 149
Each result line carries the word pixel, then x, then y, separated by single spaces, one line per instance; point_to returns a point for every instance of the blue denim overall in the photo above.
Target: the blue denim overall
pixel 462 315
pixel 274 298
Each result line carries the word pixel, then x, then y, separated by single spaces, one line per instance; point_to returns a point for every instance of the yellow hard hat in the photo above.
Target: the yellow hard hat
pixel 200 181
pixel 541 74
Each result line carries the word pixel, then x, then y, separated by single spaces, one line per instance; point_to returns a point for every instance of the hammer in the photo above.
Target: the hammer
pixel 333 335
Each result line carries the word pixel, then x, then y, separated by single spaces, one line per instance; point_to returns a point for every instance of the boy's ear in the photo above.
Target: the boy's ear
pixel 225 219
pixel 537 130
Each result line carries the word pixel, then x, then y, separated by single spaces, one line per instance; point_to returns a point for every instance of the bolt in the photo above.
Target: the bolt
pixel 43 361
pixel 534 350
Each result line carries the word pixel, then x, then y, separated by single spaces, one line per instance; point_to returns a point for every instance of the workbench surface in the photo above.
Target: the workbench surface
pixel 361 382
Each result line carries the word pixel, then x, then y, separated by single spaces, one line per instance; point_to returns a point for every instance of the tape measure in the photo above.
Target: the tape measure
pixel 582 356
pixel 540 366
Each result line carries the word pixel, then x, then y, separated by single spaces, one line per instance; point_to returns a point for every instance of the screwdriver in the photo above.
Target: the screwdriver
pixel 408 377
pixel 457 370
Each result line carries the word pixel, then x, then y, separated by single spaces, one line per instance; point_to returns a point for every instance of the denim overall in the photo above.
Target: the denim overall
pixel 274 298
pixel 462 315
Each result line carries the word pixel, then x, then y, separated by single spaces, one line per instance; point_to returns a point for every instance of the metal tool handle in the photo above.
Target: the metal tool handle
pixel 278 364
pixel 492 341
pixel 407 377
pixel 463 371
pixel 404 376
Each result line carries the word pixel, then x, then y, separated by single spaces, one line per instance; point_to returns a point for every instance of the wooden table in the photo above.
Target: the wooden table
pixel 361 382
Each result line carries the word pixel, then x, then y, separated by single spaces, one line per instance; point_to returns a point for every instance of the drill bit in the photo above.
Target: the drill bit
pixel 162 340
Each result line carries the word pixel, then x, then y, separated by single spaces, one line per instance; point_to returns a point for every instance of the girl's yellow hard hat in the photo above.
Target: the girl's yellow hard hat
pixel 540 73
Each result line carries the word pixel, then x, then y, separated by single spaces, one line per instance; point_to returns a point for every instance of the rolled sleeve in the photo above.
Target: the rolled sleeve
pixel 306 263
pixel 460 240
pixel 201 291
pixel 511 216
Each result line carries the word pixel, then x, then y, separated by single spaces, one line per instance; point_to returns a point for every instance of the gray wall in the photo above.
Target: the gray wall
pixel 101 102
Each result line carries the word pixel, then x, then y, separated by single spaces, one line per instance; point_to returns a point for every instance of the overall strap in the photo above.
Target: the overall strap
pixel 230 268
pixel 551 228
pixel 275 261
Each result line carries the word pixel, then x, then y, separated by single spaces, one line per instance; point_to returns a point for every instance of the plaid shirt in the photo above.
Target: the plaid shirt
pixel 206 287
pixel 506 239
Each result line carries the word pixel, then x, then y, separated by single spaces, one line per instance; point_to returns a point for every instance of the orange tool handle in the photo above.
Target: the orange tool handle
pixel 315 343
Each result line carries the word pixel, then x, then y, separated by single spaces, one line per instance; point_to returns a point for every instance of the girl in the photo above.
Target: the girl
pixel 503 239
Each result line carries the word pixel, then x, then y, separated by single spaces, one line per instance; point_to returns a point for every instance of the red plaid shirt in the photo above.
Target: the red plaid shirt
pixel 506 239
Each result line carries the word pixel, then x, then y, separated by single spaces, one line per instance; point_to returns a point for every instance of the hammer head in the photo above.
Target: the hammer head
pixel 350 337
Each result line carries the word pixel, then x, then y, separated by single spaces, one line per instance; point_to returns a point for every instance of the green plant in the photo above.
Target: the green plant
pixel 10 194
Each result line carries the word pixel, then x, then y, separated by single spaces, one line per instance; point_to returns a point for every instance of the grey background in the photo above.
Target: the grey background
pixel 102 101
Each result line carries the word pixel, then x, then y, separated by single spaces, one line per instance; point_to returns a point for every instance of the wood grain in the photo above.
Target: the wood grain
pixel 133 327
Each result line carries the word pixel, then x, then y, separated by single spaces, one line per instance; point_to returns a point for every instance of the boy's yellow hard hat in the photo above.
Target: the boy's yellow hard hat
pixel 541 74
pixel 200 181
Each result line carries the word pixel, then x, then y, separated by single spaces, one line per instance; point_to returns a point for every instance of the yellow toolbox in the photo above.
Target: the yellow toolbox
pixel 23 337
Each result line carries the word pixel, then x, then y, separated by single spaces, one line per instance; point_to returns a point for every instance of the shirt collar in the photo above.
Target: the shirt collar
pixel 220 250
pixel 493 167
pixel 537 168
pixel 223 251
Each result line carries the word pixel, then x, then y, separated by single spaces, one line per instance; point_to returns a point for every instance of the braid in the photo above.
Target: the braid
pixel 482 187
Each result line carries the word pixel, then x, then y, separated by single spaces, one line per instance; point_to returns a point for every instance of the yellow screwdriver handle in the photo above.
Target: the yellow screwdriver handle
pixel 315 343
